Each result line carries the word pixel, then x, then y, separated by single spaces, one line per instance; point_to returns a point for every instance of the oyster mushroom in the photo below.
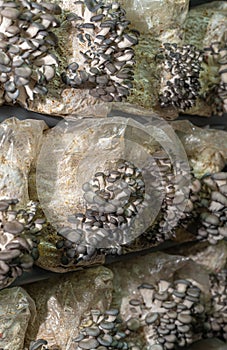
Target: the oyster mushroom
pixel 222 90
pixel 216 318
pixel 218 51
pixel 26 60
pixel 180 85
pixel 13 227
pixel 213 222
pixel 170 322
pixel 36 344
pixel 105 51
pixel 104 331
pixel 18 244
pixel 113 199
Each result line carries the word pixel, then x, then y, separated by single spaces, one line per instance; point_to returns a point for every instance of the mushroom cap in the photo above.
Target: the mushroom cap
pixel 14 227
pixel 40 221
pixel 4 205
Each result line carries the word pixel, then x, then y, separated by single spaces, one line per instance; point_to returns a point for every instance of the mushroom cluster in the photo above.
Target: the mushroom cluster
pixel 204 205
pixel 18 239
pixel 104 331
pixel 113 199
pixel 216 321
pixel 219 53
pixel 105 50
pixel 180 82
pixel 169 312
pixel 222 91
pixel 27 63
pixel 177 205
pixel 39 344
pixel 213 198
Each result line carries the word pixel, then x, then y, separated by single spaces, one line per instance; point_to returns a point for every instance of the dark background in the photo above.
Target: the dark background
pixel 194 3
pixel 217 122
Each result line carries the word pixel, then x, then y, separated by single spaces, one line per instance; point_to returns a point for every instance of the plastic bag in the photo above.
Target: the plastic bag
pixel 63 301
pixel 19 145
pixel 159 15
pixel 75 151
pixel 71 305
pixel 206 148
pixel 16 310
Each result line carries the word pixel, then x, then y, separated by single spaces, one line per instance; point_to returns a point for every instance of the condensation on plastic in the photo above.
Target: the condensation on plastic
pixel 19 145
pixel 17 309
pixel 206 148
pixel 158 16
pixel 74 151
pixel 64 302
pixel 151 269
pixel 212 257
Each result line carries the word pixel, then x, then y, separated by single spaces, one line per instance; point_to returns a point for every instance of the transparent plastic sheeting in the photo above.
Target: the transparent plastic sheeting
pixel 19 145
pixel 206 148
pixel 73 151
pixel 55 310
pixel 65 301
pixel 157 16
pixel 17 309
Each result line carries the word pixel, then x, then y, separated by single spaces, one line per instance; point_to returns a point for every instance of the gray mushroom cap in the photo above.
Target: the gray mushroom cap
pixel 14 227
pixel 4 205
